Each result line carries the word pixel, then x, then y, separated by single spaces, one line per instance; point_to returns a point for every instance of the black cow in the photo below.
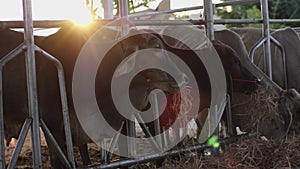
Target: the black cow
pixel 66 45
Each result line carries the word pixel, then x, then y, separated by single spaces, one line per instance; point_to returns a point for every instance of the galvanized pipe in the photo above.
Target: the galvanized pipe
pixel 157 128
pixel 32 84
pixel 57 149
pixel 123 13
pixel 209 16
pixel 130 125
pixel 177 152
pixel 60 23
pixel 229 116
pixel 164 12
pixel 147 133
pixel 284 66
pixel 238 2
pixel 266 34
pixel 238 21
pixel 21 139
pixel 108 7
pixel 2 145
pixel 64 103
pixel 114 143
pixel 254 21
pixel 255 47
pixel 3 61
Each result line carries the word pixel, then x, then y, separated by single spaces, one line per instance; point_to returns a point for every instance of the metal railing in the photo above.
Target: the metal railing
pixel 34 120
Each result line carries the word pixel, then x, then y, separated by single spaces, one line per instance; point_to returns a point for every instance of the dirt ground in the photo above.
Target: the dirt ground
pixel 255 153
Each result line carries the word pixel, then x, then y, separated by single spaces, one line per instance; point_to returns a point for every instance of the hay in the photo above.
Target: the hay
pixel 255 153
pixel 257 112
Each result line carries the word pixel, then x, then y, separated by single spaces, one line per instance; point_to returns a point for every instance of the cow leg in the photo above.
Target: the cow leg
pixel 83 149
pixel 54 154
pixel 54 160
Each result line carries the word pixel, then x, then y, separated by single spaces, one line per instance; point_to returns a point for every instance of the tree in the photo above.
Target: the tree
pixel 132 5
pixel 278 9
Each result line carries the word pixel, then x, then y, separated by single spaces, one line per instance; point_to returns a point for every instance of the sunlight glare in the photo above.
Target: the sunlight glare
pixel 83 16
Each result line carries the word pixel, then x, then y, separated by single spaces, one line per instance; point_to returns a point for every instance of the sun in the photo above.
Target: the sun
pixel 82 16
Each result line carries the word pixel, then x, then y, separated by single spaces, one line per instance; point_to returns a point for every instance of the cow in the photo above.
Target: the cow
pixel 49 104
pixel 238 73
pixel 289 39
pixel 66 45
pixel 239 79
pixel 233 39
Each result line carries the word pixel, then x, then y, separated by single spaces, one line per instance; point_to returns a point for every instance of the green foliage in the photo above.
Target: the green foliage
pixel 239 12
pixel 134 4
pixel 253 13
pixel 278 9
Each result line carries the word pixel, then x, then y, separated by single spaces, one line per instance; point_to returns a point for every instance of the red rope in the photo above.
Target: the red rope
pixel 244 80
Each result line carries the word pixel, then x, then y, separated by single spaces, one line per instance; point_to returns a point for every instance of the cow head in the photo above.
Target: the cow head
pixel 142 49
pixel 242 80
pixel 289 104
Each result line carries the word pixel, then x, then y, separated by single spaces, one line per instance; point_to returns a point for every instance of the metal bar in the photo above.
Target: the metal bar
pixel 147 132
pixel 255 47
pixel 32 84
pixel 167 22
pixel 60 23
pixel 103 151
pixel 239 21
pixel 48 24
pixel 64 102
pixel 208 15
pixel 2 146
pixel 113 143
pixel 165 11
pixel 238 2
pixel 153 157
pixel 11 55
pixel 108 7
pixel 37 24
pixel 229 116
pixel 123 13
pixel 3 61
pixel 21 139
pixel 130 125
pixel 57 149
pixel 282 50
pixel 255 21
pixel 284 20
pixel 157 128
pixel 266 34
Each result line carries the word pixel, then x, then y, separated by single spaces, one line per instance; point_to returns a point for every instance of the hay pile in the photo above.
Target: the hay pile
pixel 258 112
pixel 254 153
pixel 253 113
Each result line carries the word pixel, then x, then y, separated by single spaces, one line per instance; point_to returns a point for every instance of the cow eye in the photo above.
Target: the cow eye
pixel 157 45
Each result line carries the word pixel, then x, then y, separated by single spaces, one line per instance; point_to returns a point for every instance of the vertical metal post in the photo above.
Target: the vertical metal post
pixel 2 146
pixel 123 13
pixel 108 7
pixel 266 34
pixel 209 17
pixel 32 84
pixel 123 8
pixel 157 128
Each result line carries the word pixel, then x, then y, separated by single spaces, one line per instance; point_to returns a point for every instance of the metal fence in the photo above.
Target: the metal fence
pixel 29 47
